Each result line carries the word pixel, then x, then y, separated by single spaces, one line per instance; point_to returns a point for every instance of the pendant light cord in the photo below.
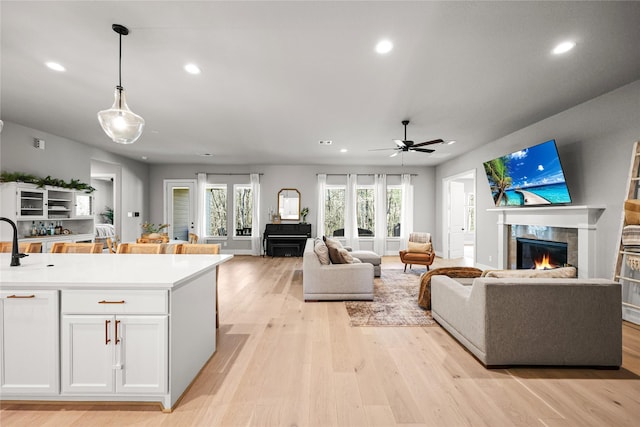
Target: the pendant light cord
pixel 120 72
pixel 120 63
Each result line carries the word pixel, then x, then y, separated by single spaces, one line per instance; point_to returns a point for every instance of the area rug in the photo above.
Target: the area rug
pixel 395 303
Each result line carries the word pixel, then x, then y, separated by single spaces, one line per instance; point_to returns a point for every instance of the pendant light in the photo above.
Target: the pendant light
pixel 121 124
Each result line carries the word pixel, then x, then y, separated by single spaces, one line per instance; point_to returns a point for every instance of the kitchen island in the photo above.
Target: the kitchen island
pixel 106 327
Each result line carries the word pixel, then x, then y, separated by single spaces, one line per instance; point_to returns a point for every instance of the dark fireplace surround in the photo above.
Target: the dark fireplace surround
pixel 532 252
pixel 528 242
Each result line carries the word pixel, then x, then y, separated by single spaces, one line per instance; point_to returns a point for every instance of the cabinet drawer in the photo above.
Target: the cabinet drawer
pixel 103 302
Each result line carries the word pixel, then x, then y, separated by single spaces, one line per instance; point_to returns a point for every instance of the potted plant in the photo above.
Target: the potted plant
pixel 151 230
pixel 303 214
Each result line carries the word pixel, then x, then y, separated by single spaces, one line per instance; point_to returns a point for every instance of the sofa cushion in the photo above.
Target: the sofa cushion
pixel 556 273
pixel 419 247
pixel 322 252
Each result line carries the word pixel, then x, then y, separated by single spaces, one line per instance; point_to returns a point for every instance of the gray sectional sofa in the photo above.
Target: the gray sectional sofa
pixel 533 321
pixel 334 281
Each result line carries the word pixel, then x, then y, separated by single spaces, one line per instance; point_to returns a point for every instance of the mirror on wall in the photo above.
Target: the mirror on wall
pixel 289 204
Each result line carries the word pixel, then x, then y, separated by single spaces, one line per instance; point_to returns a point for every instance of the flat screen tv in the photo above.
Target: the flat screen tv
pixel 529 177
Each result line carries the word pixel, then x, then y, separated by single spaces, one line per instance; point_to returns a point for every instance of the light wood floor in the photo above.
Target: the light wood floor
pixel 283 362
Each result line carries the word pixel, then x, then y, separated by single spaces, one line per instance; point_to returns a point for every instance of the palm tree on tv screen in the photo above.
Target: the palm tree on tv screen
pixel 498 173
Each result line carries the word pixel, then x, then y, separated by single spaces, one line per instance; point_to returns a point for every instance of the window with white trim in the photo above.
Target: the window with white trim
pixel 242 209
pixel 394 207
pixel 216 210
pixel 334 208
pixel 365 210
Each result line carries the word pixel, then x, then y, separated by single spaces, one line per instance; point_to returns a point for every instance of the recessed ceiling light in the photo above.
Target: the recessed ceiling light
pixel 205 155
pixel 192 69
pixel 343 150
pixel 450 142
pixel 563 47
pixel 384 46
pixel 144 157
pixel 55 66
pixel 325 142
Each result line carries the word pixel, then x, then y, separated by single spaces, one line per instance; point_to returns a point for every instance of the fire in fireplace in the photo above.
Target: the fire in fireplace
pixel 540 254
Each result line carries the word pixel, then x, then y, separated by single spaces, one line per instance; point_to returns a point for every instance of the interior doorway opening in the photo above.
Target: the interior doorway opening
pixel 459 217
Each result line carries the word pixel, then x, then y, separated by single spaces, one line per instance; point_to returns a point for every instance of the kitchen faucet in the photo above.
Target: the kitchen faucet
pixel 15 255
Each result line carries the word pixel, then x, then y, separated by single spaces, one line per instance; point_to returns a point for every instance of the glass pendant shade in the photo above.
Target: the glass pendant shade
pixel 121 124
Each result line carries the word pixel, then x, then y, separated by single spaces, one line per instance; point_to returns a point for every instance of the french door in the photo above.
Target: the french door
pixel 180 207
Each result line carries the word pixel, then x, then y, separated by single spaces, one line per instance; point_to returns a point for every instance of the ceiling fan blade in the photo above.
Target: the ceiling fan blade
pixel 399 143
pixel 381 149
pixel 435 141
pixel 394 154
pixel 422 150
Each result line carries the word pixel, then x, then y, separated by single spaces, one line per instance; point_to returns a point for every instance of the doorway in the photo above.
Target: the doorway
pixel 459 216
pixel 106 178
pixel 180 208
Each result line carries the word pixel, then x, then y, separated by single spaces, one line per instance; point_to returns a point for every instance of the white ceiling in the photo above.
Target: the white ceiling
pixel 277 77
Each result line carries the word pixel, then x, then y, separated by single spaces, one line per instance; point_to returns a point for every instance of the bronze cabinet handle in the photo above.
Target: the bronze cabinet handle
pixel 21 296
pixel 107 340
pixel 111 302
pixel 117 339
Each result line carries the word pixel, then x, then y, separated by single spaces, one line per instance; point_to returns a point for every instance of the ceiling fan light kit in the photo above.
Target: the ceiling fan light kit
pixel 121 124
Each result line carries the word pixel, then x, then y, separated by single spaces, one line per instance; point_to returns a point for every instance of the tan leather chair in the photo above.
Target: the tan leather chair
pixel 415 253
pixel 193 238
pixel 139 248
pixel 23 247
pixel 76 248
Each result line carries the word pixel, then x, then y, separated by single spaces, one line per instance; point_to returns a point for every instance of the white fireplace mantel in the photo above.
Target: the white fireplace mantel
pixel 582 218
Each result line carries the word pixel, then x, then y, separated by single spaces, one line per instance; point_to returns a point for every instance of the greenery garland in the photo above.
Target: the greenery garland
pixel 41 182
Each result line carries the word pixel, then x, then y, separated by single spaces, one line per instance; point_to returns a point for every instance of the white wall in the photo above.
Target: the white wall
pixel 595 141
pixel 66 159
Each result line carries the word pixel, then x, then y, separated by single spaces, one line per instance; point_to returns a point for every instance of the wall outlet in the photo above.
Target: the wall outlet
pixel 490 258
pixel 224 244
pixel 38 143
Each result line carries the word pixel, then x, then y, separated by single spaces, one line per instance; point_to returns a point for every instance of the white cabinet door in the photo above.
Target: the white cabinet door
pixel 87 353
pixel 141 353
pixel 29 342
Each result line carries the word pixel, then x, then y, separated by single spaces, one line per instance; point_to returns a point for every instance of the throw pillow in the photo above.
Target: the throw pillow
pixel 333 245
pixel 422 248
pixel 322 252
pixel 345 256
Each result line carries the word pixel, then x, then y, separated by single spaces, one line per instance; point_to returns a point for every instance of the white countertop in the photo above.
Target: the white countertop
pixel 100 271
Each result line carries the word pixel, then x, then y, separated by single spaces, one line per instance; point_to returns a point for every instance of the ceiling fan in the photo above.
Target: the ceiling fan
pixel 405 145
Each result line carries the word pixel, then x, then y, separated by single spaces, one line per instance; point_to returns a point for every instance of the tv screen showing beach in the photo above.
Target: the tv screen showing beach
pixel 528 177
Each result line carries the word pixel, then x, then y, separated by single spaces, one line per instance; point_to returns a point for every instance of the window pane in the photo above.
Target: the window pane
pixel 394 203
pixel 243 211
pixel 334 211
pixel 365 206
pixel 216 213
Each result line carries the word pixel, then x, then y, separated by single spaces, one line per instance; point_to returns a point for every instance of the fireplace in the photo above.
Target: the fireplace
pixel 581 219
pixel 541 254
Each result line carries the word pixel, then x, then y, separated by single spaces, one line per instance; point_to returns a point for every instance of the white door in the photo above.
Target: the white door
pixel 456 219
pixel 180 208
pixel 29 342
pixel 87 353
pixel 141 348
